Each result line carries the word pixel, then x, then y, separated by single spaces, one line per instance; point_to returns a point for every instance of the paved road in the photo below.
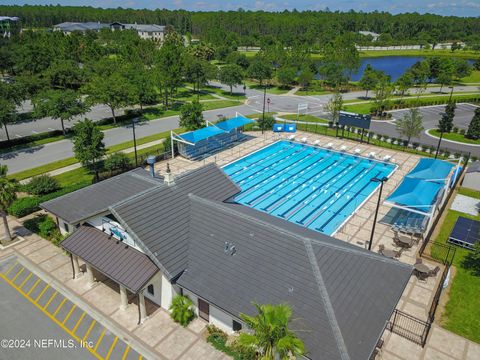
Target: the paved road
pixel 33 311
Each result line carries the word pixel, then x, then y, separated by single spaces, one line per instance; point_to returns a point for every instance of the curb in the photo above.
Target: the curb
pixel 447 140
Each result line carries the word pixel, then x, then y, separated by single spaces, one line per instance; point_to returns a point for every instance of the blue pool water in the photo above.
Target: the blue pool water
pixel 310 186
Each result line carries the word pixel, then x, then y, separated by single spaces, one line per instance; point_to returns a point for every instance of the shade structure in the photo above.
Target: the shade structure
pixel 201 134
pixel 431 169
pixel 416 195
pixel 233 123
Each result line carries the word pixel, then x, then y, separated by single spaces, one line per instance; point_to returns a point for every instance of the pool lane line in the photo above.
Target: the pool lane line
pixel 307 169
pixel 8 281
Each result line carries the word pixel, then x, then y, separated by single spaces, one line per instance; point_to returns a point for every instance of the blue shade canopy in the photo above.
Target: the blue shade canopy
pixel 431 169
pixel 416 194
pixel 201 134
pixel 234 123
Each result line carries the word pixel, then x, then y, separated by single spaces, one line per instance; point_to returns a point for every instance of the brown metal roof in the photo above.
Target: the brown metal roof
pixel 121 263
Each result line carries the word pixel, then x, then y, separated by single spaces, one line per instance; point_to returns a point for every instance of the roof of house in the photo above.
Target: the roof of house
pixel 159 218
pixel 145 27
pixel 341 295
pixel 81 26
pixel 122 263
pixel 475 167
pixel 95 199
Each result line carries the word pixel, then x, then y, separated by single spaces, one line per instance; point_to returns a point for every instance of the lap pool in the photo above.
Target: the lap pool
pixel 310 186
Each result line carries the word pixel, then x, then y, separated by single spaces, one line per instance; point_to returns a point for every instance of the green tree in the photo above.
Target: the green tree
pixel 445 74
pixel 383 93
pixel 198 72
pixel 142 83
pixel 117 161
pixel 230 75
pixel 369 79
pixel 191 116
pixel 181 310
pixel 286 76
pixel 259 70
pixel 8 114
pixel 88 144
pixel 59 104
pixel 445 124
pixel 334 106
pixel 411 125
pixel 8 195
pixel 462 68
pixel 473 131
pixel 404 82
pixel 305 77
pixel 271 335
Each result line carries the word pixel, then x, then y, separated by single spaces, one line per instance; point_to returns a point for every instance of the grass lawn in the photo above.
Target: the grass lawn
pixel 454 137
pixel 473 78
pixel 220 104
pixel 361 108
pixel 305 117
pixel 225 94
pixel 469 192
pixel 271 89
pixel 462 311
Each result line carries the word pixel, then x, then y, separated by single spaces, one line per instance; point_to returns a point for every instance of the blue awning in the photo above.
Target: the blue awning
pixel 201 134
pixel 416 194
pixel 431 169
pixel 234 123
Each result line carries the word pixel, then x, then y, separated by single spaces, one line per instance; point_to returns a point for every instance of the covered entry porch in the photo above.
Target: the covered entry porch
pixel 113 263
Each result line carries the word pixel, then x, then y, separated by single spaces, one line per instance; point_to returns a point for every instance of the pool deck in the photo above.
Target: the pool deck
pixel 418 295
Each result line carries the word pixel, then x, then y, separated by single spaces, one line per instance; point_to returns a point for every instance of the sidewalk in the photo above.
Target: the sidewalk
pixel 157 338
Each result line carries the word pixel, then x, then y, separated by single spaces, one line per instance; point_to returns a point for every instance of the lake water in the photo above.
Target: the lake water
pixel 394 66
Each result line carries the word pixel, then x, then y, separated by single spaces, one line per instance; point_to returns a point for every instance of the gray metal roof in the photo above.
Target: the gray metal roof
pixel 78 26
pixel 341 295
pixel 145 27
pixel 159 218
pixel 474 167
pixel 121 263
pixel 95 199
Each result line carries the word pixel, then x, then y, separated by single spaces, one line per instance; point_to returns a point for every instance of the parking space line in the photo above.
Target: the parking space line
pixel 51 299
pixel 111 348
pixel 59 306
pixel 69 314
pixel 100 338
pixel 140 357
pixel 78 322
pixel 55 320
pixel 89 329
pixel 43 292
pixel 125 353
pixel 11 268
pixel 33 287
pixel 26 279
pixel 18 274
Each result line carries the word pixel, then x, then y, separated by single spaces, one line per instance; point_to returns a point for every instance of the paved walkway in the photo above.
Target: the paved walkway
pixel 157 338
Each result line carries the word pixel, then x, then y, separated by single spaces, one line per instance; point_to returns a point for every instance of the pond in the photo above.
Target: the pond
pixel 394 66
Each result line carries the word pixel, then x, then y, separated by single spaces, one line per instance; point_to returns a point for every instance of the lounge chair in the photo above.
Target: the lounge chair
pixel 434 272
pixel 357 151
pixel 316 142
pixel 304 140
pixel 387 157
pixel 329 145
pixel 291 137
pixel 343 148
pixel 372 154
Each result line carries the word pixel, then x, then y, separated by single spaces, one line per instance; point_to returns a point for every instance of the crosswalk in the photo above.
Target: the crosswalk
pixel 97 339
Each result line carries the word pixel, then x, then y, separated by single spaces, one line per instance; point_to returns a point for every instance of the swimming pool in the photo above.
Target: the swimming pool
pixel 310 186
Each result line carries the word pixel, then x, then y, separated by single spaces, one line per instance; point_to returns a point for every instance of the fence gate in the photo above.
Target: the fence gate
pixel 409 327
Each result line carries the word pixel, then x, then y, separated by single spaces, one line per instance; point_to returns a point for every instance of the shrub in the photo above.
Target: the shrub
pixel 462 131
pixel 181 310
pixel 266 123
pixel 117 161
pixel 455 129
pixel 42 184
pixel 44 226
pixel 24 206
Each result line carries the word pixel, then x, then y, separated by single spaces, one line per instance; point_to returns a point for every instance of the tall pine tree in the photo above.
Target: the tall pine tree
pixel 473 131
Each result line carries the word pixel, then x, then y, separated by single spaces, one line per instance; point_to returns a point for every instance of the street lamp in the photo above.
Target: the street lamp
pixel 381 181
pixel 134 142
pixel 440 138
pixel 264 99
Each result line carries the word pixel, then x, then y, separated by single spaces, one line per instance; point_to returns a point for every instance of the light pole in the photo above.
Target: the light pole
pixel 381 181
pixel 441 136
pixel 134 142
pixel 263 113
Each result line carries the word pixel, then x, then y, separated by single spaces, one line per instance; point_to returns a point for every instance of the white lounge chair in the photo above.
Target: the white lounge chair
pixel 291 137
pixel 357 151
pixel 329 145
pixel 387 157
pixel 343 148
pixel 316 142
pixel 371 154
pixel 304 140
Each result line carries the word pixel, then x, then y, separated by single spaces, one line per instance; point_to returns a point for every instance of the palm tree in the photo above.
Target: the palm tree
pixel 271 335
pixel 411 124
pixel 7 196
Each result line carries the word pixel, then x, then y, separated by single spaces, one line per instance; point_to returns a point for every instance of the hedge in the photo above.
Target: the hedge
pixel 27 205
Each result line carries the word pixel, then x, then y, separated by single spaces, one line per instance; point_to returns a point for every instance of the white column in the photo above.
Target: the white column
pixel 143 308
pixel 123 298
pixel 90 279
pixel 76 267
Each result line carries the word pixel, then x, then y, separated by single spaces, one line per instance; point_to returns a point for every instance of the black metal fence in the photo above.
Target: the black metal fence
pixel 438 293
pixel 409 327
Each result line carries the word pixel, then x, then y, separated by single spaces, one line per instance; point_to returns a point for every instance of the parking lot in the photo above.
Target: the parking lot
pixel 38 322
